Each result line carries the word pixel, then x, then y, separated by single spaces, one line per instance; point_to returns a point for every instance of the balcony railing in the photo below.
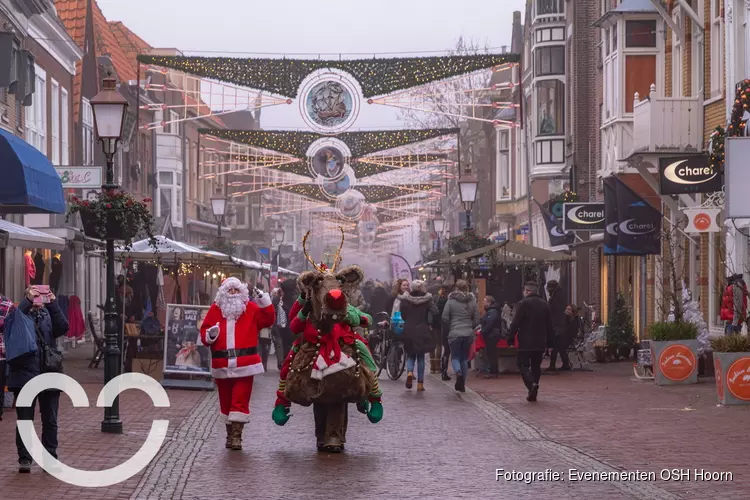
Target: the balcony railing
pixel 667 124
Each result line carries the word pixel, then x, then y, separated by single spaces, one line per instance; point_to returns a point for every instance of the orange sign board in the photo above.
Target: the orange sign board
pixel 719 380
pixel 738 379
pixel 702 222
pixel 677 362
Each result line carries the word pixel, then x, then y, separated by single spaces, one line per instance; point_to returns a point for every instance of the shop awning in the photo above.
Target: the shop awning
pixel 518 252
pixel 13 235
pixel 30 183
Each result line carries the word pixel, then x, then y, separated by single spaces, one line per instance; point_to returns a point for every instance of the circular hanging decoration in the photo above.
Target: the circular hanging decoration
pixel 351 205
pixel 368 224
pixel 330 101
pixel 332 189
pixel 328 158
pixel 557 209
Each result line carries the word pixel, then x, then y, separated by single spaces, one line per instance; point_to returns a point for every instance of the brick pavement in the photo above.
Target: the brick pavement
pixel 436 444
pixel 635 425
pixel 82 444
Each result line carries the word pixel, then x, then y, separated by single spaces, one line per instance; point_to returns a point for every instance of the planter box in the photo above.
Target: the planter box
pixel 732 371
pixel 675 362
pixel 114 229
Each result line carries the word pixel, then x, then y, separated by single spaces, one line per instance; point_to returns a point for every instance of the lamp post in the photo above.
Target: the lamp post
pixel 468 190
pixel 438 223
pixel 109 109
pixel 219 209
pixel 278 239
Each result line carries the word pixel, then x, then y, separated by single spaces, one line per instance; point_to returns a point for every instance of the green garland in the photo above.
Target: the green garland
pixel 716 147
pixel 296 143
pixel 365 167
pixel 374 193
pixel 285 76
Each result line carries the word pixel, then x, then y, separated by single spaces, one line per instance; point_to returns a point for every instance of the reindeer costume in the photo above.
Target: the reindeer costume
pixel 329 366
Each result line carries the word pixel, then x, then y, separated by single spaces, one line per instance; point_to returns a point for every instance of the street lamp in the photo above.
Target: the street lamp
pixel 438 223
pixel 468 191
pixel 219 209
pixel 109 109
pixel 278 238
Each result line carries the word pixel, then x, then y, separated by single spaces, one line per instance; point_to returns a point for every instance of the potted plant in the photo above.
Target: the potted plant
pixel 115 214
pixel 732 369
pixel 620 334
pixel 674 348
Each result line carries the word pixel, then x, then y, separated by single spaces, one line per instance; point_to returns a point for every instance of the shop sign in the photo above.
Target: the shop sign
pixel 691 174
pixel 583 217
pixel 677 362
pixel 702 220
pixel 80 177
pixel 738 379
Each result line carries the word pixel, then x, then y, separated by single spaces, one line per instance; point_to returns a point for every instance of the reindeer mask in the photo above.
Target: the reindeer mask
pixel 328 289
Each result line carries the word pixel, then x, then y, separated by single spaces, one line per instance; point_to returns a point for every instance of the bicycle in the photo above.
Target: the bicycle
pixel 387 351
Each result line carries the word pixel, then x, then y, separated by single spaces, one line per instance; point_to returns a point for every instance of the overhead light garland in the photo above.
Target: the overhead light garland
pixel 373 193
pixel 296 143
pixel 284 77
pixel 368 166
pixel 716 149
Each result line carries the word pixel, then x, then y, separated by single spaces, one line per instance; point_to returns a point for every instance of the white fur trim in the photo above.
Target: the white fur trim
pixel 238 416
pixel 210 339
pixel 239 372
pixel 263 301
pixel 223 418
pixel 344 363
pixel 231 324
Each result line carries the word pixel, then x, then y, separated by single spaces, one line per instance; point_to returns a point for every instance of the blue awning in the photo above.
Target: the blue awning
pixel 28 181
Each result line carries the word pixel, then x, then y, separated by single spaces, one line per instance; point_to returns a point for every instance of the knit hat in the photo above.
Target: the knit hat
pixel 417 286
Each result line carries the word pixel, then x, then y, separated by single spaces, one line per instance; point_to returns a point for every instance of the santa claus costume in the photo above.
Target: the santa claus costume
pixel 231 329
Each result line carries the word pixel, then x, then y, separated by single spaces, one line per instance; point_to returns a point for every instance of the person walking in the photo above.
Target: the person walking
pixel 461 317
pixel 264 338
pixel 6 307
pixel 417 308
pixel 532 322
pixel 445 352
pixel 400 287
pixel 379 302
pixel 491 334
pixel 50 324
pixel 557 306
pixel 282 333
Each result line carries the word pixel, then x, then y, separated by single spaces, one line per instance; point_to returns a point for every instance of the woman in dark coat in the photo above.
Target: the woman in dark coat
pixel 418 311
pixel 282 328
pixel 51 324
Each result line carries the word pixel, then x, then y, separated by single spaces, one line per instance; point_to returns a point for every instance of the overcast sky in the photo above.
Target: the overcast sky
pixel 294 27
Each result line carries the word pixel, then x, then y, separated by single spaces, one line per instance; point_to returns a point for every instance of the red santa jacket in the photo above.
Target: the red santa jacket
pixel 236 335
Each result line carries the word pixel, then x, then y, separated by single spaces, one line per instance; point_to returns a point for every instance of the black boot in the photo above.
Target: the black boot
pixel 532 393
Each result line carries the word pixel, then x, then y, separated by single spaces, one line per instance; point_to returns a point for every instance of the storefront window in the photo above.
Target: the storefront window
pixel 550 107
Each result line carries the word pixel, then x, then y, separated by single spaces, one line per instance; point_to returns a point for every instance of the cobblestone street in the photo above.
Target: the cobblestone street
pixel 436 444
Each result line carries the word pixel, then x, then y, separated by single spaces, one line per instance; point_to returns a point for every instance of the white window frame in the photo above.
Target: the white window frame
pixel 172 126
pixel 717 49
pixel 87 126
pixel 64 127
pixel 175 196
pixel 36 114
pixel 503 165
pixel 677 57
pixel 55 122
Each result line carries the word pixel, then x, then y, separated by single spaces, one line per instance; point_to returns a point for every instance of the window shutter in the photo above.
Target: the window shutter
pixel 28 58
pixel 7 68
pixel 22 73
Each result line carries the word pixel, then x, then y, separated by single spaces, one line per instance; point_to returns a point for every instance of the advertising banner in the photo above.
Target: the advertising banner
pixel 557 236
pixel 583 217
pixel 689 174
pixel 639 224
pixel 80 177
pixel 183 350
pixel 610 216
pixel 400 267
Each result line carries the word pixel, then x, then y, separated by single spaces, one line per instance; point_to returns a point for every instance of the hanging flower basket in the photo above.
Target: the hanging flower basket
pixel 114 214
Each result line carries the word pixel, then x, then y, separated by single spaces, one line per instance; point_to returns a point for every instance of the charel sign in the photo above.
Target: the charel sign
pixel 583 217
pixel 690 174
pixel 80 177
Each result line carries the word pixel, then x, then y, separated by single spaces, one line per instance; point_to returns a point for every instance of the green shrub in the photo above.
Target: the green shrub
pixel 731 343
pixel 664 331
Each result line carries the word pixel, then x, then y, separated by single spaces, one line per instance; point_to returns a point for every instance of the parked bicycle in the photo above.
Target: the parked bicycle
pixel 387 350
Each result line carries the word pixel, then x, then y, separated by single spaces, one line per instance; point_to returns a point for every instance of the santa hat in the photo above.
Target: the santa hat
pixel 232 282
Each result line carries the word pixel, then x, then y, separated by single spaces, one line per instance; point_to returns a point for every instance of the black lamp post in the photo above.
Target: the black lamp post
pixel 438 223
pixel 278 238
pixel 468 190
pixel 109 109
pixel 219 209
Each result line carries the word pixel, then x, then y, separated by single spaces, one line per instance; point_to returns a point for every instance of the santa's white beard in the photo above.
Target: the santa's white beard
pixel 232 307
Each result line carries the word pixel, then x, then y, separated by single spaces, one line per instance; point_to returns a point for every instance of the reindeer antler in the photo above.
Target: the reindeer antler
pixel 338 252
pixel 307 256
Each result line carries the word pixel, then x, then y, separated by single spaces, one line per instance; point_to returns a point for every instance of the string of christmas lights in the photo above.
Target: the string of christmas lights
pixel 285 76
pixel 296 143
